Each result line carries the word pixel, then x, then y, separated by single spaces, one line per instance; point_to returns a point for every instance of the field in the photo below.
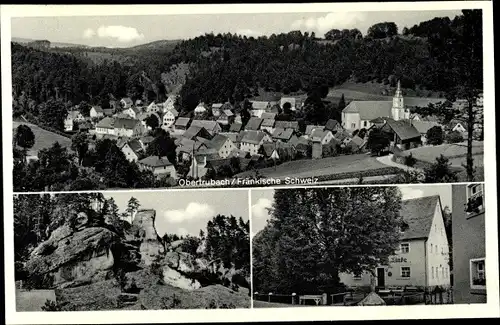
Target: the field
pixel 43 138
pixel 320 167
pixel 455 152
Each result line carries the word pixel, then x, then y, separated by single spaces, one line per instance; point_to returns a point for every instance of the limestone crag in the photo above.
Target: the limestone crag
pixel 143 228
pixel 82 256
pixel 176 279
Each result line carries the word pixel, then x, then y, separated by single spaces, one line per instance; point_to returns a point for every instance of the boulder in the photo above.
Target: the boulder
pixel 143 228
pixel 176 279
pixel 83 256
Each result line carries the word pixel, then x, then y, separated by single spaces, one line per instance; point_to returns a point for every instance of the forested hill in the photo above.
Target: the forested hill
pixel 235 67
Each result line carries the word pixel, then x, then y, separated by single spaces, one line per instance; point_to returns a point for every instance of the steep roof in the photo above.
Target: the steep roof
pixel 319 135
pixel 332 124
pixel 173 111
pixel 369 109
pixel 73 114
pixel 423 126
pixel 253 137
pixel 218 141
pixel 125 123
pixel 310 128
pixel 287 125
pixel 182 121
pixel 235 127
pixel 227 112
pixel 233 136
pixel 267 122
pixel 418 214
pixel 127 100
pixel 105 123
pixel 147 139
pixel 403 129
pixel 217 105
pixel 282 134
pixel 254 123
pixel 259 104
pixel 210 126
pixel 108 111
pixel 98 109
pixel 357 141
pixel 290 100
pixel 192 131
pixel 268 148
pixel 155 161
pixel 135 145
pixel 267 115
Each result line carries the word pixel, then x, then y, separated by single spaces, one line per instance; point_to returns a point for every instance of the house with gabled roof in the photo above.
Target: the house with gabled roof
pixel 321 136
pixel 333 125
pixel 71 118
pixel 267 125
pixel 105 126
pixel 109 111
pixel 259 107
pixel 133 111
pixel 251 141
pixel 310 128
pixel 169 103
pixel 185 147
pixel 268 116
pixel 153 107
pixel 211 126
pixel 422 257
pixel 124 127
pixel 287 125
pixel 235 127
pixel 269 150
pixel 161 167
pixel 235 137
pixel 253 124
pixel 195 131
pixel 422 127
pixel 168 118
pixel 201 108
pixel 282 134
pixel 216 109
pixel 182 124
pixel 126 102
pixel 223 145
pixel 96 112
pixel 132 150
pixel 402 133
pixel 225 117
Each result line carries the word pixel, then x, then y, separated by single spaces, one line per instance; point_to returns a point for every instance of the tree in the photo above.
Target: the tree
pixel 454 137
pixel 440 172
pixel 84 108
pixel 314 234
pixel 378 140
pixel 163 145
pixel 447 216
pixel 463 58
pixel 24 137
pixel 80 144
pixel 383 30
pixel 435 135
pixel 132 206
pixel 341 104
pixel 152 121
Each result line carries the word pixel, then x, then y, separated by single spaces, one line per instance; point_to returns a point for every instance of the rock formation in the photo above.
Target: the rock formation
pixel 143 228
pixel 71 256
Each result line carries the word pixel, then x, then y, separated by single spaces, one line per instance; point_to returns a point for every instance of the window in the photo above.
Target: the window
pixel 405 248
pixel 405 272
pixel 431 247
pixel 353 125
pixel 432 272
pixel 365 123
pixel 477 274
pixel 442 272
pixel 437 272
pixel 356 277
pixel 475 199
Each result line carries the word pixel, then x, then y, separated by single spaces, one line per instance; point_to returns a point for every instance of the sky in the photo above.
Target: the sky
pixel 125 31
pixel 186 212
pixel 262 200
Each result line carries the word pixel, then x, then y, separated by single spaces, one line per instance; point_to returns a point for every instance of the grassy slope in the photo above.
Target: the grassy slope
pixel 318 167
pixel 43 138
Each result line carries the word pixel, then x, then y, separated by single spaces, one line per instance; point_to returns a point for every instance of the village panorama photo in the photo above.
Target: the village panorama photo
pixel 369 246
pixel 131 251
pixel 246 99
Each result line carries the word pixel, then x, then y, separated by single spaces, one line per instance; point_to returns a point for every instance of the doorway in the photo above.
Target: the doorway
pixel 380 277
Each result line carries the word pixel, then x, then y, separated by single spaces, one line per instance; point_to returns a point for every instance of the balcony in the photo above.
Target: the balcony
pixel 474 205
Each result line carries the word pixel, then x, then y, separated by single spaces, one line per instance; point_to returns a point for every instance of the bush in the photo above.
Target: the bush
pixel 440 172
pixel 454 137
pixel 51 306
pixel 435 135
pixel 39 281
pixel 410 160
pixel 213 305
pixel 171 303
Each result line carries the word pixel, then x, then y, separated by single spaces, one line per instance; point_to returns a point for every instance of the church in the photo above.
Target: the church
pixel 360 114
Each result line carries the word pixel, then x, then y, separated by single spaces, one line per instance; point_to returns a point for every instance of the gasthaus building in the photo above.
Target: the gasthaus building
pixel 423 254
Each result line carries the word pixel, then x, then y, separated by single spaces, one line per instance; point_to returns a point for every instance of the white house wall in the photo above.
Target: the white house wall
pixel 438 258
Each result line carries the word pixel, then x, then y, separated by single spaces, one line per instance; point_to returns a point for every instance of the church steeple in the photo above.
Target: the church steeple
pixel 398 106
